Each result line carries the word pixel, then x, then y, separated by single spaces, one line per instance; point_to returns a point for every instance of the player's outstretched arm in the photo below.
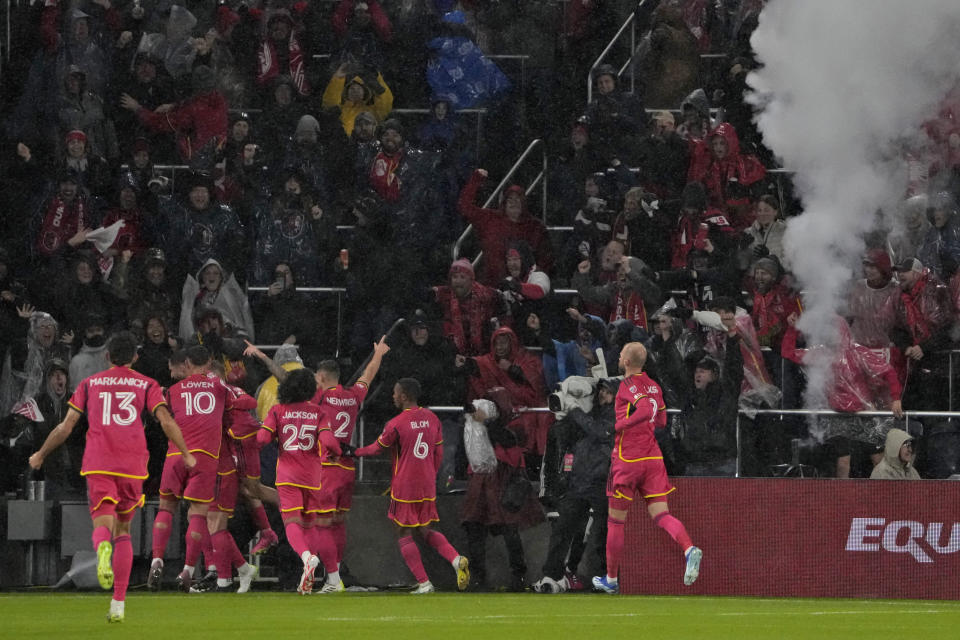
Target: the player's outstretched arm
pixel 57 437
pixel 275 370
pixel 370 371
pixel 172 430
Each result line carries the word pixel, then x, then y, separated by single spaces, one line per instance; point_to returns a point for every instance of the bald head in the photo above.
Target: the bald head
pixel 633 357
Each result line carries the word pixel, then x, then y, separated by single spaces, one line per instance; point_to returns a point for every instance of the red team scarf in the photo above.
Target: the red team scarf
pixel 268 66
pixel 59 225
pixel 629 308
pixel 919 326
pixel 383 177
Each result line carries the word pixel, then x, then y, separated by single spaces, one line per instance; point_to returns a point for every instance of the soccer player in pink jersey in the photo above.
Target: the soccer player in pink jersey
pixel 341 405
pixel 115 456
pixel 222 547
pixel 416 441
pixel 198 403
pixel 637 468
pixel 305 436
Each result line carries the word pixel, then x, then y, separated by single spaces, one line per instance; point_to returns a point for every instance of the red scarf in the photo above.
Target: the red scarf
pixel 60 223
pixel 383 177
pixel 919 326
pixel 629 308
pixel 268 66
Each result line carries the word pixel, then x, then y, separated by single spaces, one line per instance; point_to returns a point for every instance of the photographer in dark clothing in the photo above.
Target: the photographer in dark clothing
pixel 574 477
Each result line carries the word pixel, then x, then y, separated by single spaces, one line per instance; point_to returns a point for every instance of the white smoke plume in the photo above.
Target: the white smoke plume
pixel 844 88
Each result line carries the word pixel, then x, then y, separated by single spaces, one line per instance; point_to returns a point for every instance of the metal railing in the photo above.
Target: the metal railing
pixel 737 474
pixel 540 179
pixel 630 24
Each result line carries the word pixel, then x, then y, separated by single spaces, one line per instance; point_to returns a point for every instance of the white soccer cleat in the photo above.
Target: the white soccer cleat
pixel 423 587
pixel 245 576
pixel 306 580
pixel 332 588
pixel 694 555
pixel 116 611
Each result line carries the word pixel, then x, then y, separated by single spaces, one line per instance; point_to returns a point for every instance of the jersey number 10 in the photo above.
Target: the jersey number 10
pixel 201 402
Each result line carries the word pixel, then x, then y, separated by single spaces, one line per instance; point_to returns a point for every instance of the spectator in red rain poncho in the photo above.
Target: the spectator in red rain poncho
pixel 496 228
pixel 512 367
pixel 862 380
pixel 727 174
pixel 923 334
pixel 773 301
pixel 872 308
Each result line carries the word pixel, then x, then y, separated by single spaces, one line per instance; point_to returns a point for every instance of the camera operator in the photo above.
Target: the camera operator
pixel 574 477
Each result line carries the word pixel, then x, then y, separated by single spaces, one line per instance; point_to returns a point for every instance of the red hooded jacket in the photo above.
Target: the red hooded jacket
pixel 718 174
pixel 495 232
pixel 530 392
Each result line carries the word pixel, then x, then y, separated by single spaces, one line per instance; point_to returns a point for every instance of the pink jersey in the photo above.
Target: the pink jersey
pixel 640 409
pixel 198 404
pixel 417 441
pixel 113 401
pixel 299 428
pixel 239 423
pixel 341 405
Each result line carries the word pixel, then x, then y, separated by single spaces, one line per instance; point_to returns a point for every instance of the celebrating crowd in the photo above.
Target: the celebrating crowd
pixel 295 172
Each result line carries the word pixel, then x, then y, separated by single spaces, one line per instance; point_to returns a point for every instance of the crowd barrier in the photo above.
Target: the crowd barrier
pixel 818 538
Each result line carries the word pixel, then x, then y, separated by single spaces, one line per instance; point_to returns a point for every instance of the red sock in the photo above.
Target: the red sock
pixel 614 545
pixel 221 554
pixel 439 542
pixel 161 534
pixel 411 555
pixel 675 528
pixel 122 562
pixel 297 538
pixel 195 531
pixel 236 558
pixel 339 531
pixel 100 534
pixel 209 553
pixel 313 541
pixel 326 548
pixel 260 520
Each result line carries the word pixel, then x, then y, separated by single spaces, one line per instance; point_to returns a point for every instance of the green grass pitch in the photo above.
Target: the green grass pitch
pixel 455 616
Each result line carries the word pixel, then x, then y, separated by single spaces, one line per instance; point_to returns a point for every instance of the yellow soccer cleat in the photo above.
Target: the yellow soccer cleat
pixel 105 564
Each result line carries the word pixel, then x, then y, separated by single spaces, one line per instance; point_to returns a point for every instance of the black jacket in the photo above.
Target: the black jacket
pixel 707 423
pixel 589 438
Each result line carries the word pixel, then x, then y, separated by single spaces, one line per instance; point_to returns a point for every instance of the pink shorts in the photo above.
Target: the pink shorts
pixel 117 496
pixel 247 454
pixel 413 514
pixel 336 492
pixel 197 485
pixel 298 500
pixel 228 489
pixel 647 478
